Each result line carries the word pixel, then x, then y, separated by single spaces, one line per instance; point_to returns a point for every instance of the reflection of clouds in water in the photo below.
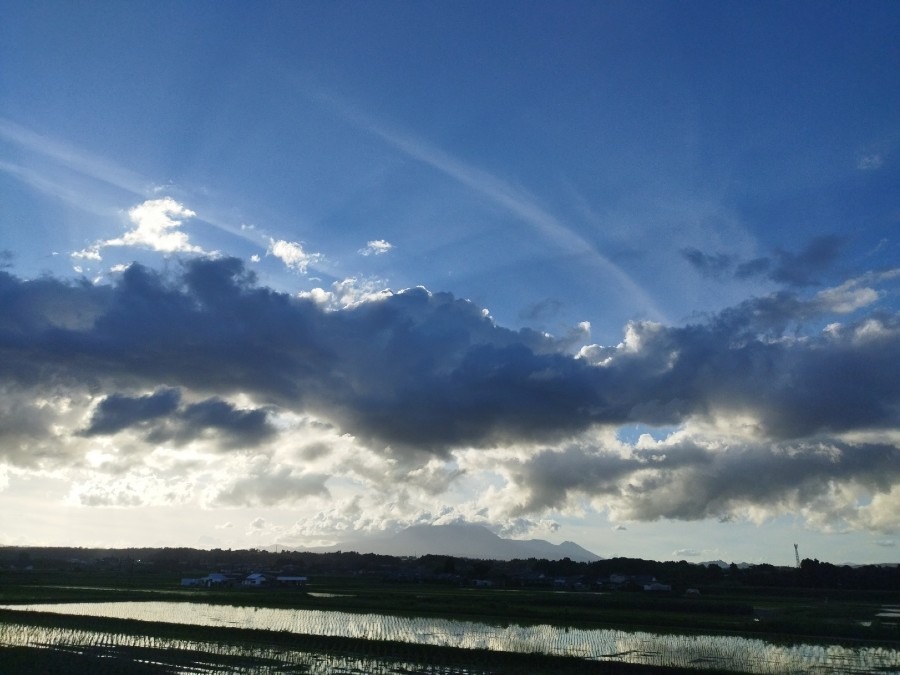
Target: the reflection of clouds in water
pixel 694 651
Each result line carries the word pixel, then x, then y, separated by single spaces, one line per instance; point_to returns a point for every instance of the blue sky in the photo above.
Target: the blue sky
pixel 619 273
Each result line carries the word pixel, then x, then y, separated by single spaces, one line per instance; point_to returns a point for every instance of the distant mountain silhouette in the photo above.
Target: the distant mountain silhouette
pixel 462 541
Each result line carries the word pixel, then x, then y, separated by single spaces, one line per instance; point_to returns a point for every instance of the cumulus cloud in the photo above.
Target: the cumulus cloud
pixel 403 390
pixel 347 293
pixel 157 224
pixel 696 476
pixel 268 486
pixel 376 247
pixel 292 254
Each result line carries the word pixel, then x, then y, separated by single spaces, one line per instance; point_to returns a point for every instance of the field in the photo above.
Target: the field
pixel 835 616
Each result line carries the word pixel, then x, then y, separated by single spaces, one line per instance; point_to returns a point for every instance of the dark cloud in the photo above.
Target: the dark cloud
pixel 118 412
pixel 158 415
pixel 690 481
pixel 541 311
pixel 804 268
pixel 709 265
pixel 6 258
pixel 238 427
pixel 420 371
pixel 784 267
pixel 753 268
pixel 416 374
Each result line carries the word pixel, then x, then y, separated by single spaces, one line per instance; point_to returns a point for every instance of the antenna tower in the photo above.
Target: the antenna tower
pixel 797 554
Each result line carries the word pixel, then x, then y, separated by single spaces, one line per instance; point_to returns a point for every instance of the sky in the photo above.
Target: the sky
pixel 296 273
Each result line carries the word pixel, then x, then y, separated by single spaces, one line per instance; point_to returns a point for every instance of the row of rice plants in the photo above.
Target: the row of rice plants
pixel 636 647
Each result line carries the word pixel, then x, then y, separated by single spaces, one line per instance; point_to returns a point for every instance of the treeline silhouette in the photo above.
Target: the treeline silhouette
pixel 811 574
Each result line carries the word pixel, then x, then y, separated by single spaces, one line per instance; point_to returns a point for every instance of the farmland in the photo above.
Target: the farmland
pixel 724 607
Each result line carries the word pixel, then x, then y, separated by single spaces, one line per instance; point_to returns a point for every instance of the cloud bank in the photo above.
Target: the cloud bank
pixel 785 403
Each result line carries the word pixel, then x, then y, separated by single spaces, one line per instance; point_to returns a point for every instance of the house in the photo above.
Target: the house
pixel 214 579
pixel 255 579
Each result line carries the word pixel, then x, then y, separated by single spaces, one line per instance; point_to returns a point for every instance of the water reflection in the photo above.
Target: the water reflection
pixel 186 656
pixel 747 655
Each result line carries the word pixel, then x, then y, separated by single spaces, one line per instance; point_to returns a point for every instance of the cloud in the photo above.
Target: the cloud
pixel 802 269
pixel 158 416
pixel 686 553
pixel 870 162
pixel 784 267
pixel 714 265
pixel 202 369
pixel 693 477
pixel 156 227
pixel 376 247
pixel 543 310
pixel 268 485
pixel 292 254
pixel 425 370
pixel 117 412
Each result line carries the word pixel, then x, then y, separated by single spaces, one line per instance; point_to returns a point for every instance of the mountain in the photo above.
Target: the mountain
pixel 463 541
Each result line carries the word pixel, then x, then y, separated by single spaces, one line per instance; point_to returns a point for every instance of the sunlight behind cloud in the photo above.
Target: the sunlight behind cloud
pixel 157 223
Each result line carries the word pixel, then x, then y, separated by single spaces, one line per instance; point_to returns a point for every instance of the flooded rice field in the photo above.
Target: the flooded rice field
pixel 748 655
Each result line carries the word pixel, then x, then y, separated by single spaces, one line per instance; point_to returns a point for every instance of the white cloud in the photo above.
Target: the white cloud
pixel 348 293
pixel 292 254
pixel 685 553
pixel 376 247
pixel 847 298
pixel 870 162
pixel 156 227
pixel 156 223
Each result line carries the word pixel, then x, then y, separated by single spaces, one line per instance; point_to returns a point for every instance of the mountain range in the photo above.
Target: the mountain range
pixel 462 541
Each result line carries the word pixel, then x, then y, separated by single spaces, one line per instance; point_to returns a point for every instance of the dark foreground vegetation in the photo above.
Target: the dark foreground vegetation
pixel 815 602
